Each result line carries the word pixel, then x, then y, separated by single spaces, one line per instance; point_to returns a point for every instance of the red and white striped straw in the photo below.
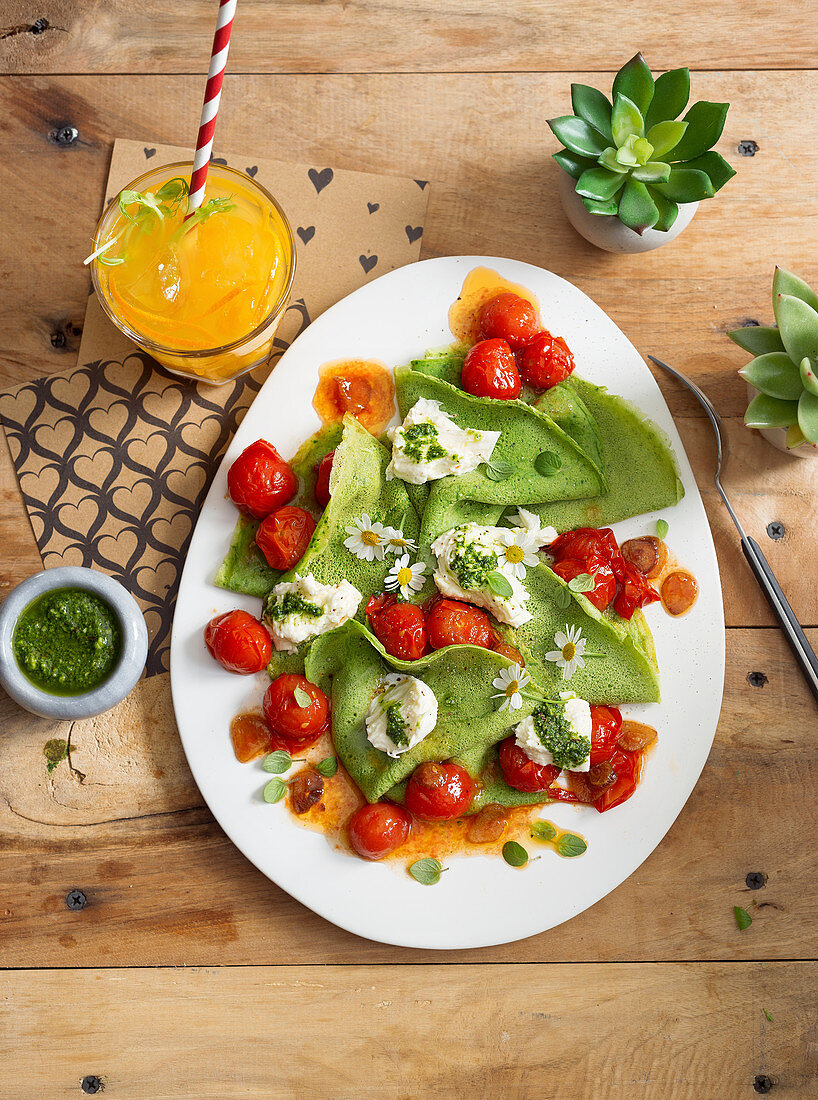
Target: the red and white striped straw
pixel 210 107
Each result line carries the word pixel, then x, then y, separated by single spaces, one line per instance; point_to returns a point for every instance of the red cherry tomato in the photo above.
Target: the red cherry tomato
pixel 438 792
pixel 322 479
pixel 545 361
pixel 239 642
pixel 606 724
pixel 399 627
pixel 510 652
pixel 284 536
pixel 452 622
pixel 297 726
pixel 521 772
pixel 259 481
pixel 586 542
pixel 489 370
pixel 628 768
pixel 634 591
pixel 377 830
pixel 511 318
pixel 604 588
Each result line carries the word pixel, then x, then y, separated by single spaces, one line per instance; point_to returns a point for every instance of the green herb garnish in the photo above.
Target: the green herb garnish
pixel 562 597
pixel 327 767
pixel 396 728
pixel 427 871
pixel 275 790
pixel 557 735
pixel 55 751
pixel 500 585
pixel 293 604
pixel 498 469
pixel 743 918
pixel 472 564
pixel 583 582
pixel 220 205
pixel 277 762
pixel 569 844
pixel 514 854
pixel 769 1017
pixel 661 528
pixel 303 698
pixel 543 830
pixel 547 463
pixel 421 442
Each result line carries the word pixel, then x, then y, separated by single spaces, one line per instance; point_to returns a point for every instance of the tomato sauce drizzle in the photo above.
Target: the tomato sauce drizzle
pixel 363 388
pixel 479 286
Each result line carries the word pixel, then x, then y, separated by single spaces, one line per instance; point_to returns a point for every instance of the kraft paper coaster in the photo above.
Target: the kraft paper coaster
pixel 114 457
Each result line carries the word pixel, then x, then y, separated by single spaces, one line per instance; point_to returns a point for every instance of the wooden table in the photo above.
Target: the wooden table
pixel 188 973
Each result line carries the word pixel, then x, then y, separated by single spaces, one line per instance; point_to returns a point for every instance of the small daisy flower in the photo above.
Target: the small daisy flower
pixel 569 656
pixel 518 549
pixel 404 577
pixel 510 683
pixel 397 543
pixel 530 523
pixel 367 540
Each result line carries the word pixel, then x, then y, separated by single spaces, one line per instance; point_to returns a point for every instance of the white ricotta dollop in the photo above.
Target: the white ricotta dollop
pixel 406 705
pixel 578 714
pixel 452 550
pixel 427 431
pixel 335 603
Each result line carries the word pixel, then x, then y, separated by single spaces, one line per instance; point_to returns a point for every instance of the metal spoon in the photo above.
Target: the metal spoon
pixel 803 651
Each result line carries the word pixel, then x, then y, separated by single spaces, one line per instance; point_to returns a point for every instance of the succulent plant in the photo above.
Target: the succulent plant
pixel 631 157
pixel 785 368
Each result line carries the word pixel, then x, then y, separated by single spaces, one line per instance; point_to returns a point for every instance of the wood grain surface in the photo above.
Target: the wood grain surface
pixel 188 973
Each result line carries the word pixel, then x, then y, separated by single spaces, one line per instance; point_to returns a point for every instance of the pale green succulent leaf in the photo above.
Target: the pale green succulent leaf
pixel 654 172
pixel 608 160
pixel 770 412
pixel 809 378
pixel 599 184
pixel 670 95
pixel 795 437
pixel 714 166
pixel 774 374
pixel 686 185
pixel 705 122
pixel 635 81
pixel 626 120
pixel 784 282
pixel 594 106
pixel 798 325
pixel 668 211
pixel 578 136
pixel 664 136
pixel 626 154
pixel 757 339
pixel 636 208
pixel 643 150
pixel 594 206
pixel 572 163
pixel 808 415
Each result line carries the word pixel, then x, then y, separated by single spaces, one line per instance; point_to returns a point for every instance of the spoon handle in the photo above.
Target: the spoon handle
pixel 802 650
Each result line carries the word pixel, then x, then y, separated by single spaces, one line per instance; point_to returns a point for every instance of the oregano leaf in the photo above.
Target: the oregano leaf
pixel 662 528
pixel 275 790
pixel 562 597
pixel 743 918
pixel 569 845
pixel 500 585
pixel 514 854
pixel 543 830
pixel 547 463
pixel 583 582
pixel 277 762
pixel 498 469
pixel 303 698
pixel 426 871
pixel 327 767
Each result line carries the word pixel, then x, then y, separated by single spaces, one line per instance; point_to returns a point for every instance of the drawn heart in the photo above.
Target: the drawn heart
pixel 320 179
pixel 414 233
pixel 218 160
pixel 149 153
pixel 251 172
pixel 422 183
pixel 307 234
pixel 373 206
pixel 367 263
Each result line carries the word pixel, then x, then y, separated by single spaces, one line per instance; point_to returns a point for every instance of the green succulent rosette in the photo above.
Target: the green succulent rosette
pixel 632 157
pixel 785 368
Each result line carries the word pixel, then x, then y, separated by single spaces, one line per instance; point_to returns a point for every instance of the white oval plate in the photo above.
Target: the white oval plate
pixel 480 900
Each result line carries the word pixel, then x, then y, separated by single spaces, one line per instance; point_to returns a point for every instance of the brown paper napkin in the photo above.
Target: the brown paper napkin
pixel 114 457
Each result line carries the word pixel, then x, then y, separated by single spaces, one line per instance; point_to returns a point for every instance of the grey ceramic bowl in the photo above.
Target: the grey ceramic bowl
pixel 131 661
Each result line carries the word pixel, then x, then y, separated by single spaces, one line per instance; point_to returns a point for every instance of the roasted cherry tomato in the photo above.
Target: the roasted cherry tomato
pixel 489 370
pixel 604 588
pixel 586 542
pixel 627 767
pixel 511 318
pixel 452 622
pixel 510 652
pixel 634 591
pixel 545 361
pixel 284 536
pixel 606 725
pixel 399 627
pixel 322 479
pixel 295 725
pixel 521 772
pixel 239 642
pixel 377 830
pixel 259 481
pixel 438 792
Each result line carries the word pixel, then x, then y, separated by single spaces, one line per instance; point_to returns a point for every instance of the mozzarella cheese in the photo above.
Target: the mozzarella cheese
pixel 429 445
pixel 406 704
pixel 449 549
pixel 578 714
pixel 336 603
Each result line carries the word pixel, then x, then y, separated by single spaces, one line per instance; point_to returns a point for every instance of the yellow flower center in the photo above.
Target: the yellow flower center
pixel 568 651
pixel 404 576
pixel 370 538
pixel 513 688
pixel 515 554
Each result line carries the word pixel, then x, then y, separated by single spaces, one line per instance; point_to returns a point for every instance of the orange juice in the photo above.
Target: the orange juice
pixel 202 294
